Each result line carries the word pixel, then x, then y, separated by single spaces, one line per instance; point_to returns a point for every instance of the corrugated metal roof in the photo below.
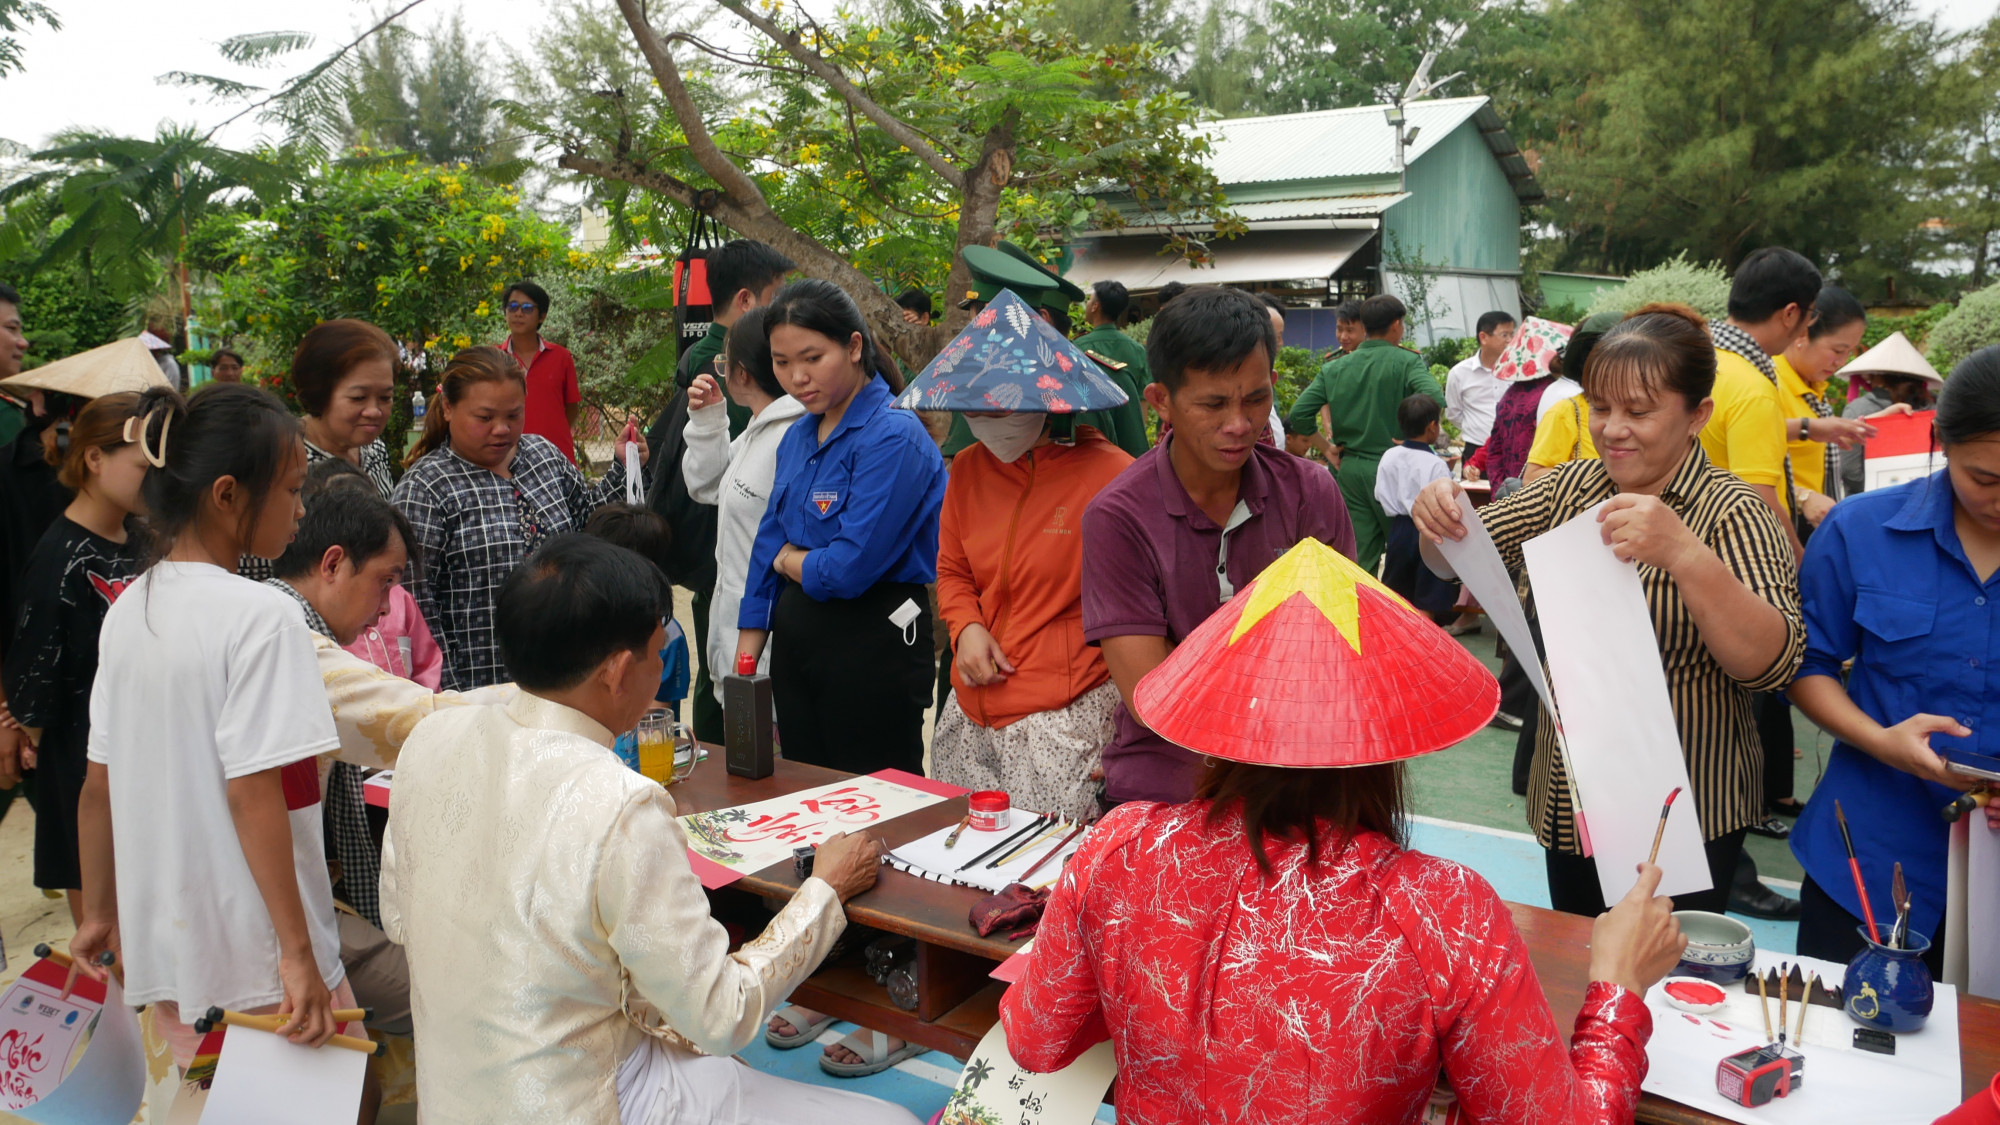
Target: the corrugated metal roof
pixel 1257 256
pixel 1321 207
pixel 1342 143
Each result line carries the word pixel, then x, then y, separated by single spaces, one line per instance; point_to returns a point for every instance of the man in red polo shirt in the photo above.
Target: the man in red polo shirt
pixel 553 398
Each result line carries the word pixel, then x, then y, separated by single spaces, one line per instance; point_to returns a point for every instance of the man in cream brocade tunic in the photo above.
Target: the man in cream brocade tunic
pixel 553 925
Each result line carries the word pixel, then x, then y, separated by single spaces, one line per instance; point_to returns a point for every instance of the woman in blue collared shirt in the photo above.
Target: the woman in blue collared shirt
pixel 1902 580
pixel 848 542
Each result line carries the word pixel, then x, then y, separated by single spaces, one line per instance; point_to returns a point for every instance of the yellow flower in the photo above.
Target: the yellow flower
pixel 464 261
pixel 461 341
pixel 483 310
pixel 381 285
pixel 243 259
pixel 361 246
pixel 423 269
pixel 494 260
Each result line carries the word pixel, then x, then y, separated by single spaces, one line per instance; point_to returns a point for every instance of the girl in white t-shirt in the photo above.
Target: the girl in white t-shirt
pixel 199 823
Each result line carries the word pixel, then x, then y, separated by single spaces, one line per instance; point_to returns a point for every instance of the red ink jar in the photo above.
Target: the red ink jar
pixel 991 811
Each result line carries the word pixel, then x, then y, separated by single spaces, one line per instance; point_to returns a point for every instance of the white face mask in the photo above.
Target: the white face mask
pixel 1009 436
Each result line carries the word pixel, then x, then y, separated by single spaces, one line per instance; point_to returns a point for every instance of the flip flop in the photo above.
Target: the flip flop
pixel 873 1047
pixel 805 1033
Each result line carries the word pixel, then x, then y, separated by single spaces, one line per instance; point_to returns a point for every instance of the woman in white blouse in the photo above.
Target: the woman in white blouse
pixel 735 475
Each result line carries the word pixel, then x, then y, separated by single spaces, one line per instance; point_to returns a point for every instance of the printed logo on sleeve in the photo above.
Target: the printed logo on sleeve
pixel 824 500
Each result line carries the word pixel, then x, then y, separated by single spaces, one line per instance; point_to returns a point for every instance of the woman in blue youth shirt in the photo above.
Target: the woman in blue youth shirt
pixel 1901 580
pixel 838 568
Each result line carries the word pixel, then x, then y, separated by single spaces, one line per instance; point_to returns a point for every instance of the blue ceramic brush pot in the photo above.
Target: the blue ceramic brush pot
pixel 1889 989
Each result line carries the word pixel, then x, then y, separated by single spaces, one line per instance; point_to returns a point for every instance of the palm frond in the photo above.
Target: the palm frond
pixel 217 87
pixel 262 48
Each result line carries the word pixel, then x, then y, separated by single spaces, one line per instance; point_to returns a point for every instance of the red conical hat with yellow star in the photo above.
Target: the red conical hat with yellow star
pixel 1316 664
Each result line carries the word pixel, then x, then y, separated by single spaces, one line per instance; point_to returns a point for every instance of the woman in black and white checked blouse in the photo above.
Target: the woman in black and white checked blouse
pixel 481 495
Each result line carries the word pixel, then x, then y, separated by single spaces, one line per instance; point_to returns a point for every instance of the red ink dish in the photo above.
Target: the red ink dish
pixel 1692 994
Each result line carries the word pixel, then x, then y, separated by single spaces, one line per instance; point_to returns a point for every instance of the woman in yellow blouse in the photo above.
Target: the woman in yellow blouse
pixel 1813 429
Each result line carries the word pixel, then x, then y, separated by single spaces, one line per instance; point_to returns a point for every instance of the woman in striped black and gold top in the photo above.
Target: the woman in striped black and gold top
pixel 1717 570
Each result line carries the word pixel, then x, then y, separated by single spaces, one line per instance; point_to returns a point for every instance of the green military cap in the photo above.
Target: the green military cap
pixel 993 271
pixel 1062 292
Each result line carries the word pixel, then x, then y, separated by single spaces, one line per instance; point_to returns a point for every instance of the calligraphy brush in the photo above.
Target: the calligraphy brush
pixel 1054 826
pixel 1080 826
pixel 951 841
pixel 1784 992
pixel 1805 1001
pixel 1854 865
pixel 1764 1001
pixel 1899 893
pixel 1033 826
pixel 1653 856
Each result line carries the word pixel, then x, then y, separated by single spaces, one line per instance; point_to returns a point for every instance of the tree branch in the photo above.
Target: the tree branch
pixel 740 188
pixel 833 76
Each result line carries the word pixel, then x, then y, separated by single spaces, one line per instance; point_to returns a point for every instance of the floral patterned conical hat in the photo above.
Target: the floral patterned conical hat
pixel 1535 346
pixel 1316 664
pixel 1011 360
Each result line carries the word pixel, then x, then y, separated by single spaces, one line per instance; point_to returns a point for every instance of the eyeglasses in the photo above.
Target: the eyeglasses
pixel 520 306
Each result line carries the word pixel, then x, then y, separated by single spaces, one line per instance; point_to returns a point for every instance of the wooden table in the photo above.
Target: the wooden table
pixel 958 1003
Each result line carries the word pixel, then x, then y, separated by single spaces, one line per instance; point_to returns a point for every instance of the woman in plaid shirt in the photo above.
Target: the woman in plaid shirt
pixel 481 495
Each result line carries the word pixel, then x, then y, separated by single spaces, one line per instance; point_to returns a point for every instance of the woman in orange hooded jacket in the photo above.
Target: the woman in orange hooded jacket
pixel 1032 704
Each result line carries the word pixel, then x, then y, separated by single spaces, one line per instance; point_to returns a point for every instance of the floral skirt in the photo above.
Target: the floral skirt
pixel 1043 762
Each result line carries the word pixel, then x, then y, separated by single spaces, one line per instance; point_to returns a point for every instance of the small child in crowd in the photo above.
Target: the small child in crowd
pixel 206 724
pixel 1405 469
pixel 643 530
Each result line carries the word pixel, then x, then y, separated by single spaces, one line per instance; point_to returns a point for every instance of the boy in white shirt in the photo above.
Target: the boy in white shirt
pixel 1404 471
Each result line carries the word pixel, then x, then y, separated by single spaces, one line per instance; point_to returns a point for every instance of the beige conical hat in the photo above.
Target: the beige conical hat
pixel 1893 356
pixel 122 365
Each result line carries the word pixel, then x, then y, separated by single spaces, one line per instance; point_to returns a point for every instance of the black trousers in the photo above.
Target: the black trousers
pixel 1829 932
pixel 1573 885
pixel 849 688
pixel 1774 730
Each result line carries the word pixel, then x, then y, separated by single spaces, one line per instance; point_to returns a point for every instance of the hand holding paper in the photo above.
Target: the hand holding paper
pixel 1476 561
pixel 1641 529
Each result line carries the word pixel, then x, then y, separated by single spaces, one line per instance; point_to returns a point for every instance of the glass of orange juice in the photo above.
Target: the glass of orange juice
pixel 655 736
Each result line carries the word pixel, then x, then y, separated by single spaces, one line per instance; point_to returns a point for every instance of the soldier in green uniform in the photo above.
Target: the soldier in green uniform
pixel 1011 267
pixel 1362 391
pixel 1122 356
pixel 1125 426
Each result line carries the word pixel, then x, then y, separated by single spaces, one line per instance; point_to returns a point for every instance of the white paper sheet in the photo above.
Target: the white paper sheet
pixel 1604 665
pixel 928 858
pixel 266 1079
pixel 1477 563
pixel 993 1087
pixel 635 478
pixel 1916 1085
pixel 1952 933
pixel 1982 906
pixel 109 1078
pixel 753 837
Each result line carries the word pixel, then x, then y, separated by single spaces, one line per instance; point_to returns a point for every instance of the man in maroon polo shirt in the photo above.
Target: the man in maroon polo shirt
pixel 553 398
pixel 1195 518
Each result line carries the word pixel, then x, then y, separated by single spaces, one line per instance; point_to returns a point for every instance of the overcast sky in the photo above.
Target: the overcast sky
pixel 99 70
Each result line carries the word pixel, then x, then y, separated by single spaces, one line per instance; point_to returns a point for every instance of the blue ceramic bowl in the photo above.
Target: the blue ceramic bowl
pixel 1888 988
pixel 1719 948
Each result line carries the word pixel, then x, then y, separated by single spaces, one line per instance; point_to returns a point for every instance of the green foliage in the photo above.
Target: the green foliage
pixel 1416 277
pixel 423 252
pixel 1294 372
pixel 1564 312
pixel 612 320
pixel 1916 328
pixel 1069 119
pixel 63 313
pixel 1448 351
pixel 19 15
pixel 1703 286
pixel 118 206
pixel 1712 127
pixel 1974 324
pixel 438 102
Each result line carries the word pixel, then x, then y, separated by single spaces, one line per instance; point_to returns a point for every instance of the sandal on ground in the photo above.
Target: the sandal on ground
pixel 873 1047
pixel 804 1033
